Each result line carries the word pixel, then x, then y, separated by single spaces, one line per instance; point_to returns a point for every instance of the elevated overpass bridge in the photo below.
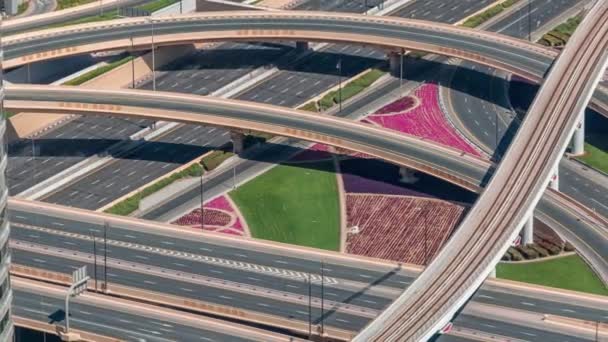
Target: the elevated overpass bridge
pixel 522 58
pixel 542 140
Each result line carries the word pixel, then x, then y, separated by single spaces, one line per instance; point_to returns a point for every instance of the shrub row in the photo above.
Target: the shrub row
pixel 534 251
pixel 349 90
pixel 486 15
pixel 560 35
pixel 131 204
pixel 97 72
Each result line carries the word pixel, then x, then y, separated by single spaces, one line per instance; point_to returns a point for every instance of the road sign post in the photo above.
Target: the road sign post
pixel 79 285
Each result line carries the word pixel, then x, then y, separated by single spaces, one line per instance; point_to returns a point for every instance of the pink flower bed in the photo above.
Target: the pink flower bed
pixel 395 227
pixel 426 121
pixel 220 217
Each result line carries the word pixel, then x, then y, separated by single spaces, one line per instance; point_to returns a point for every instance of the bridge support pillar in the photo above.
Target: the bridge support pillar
pixel 302 46
pixel 554 182
pixel 528 231
pixel 407 175
pixel 394 60
pixel 238 141
pixel 578 139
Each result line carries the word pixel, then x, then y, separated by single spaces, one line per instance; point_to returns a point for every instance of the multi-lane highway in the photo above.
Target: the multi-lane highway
pixel 445 163
pixel 253 276
pixel 41 306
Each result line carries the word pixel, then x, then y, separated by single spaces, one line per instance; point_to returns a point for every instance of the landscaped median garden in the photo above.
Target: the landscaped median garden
pixel 98 71
pixel 131 204
pixel 296 204
pixel 596 154
pixel 349 90
pixel 488 14
pixel 567 272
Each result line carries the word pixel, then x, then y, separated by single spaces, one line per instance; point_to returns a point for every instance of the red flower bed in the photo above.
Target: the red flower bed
pixel 212 218
pixel 393 228
pixel 220 217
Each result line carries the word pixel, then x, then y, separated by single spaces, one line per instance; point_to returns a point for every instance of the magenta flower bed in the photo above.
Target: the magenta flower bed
pixel 401 105
pixel 426 121
pixel 220 217
pixel 220 203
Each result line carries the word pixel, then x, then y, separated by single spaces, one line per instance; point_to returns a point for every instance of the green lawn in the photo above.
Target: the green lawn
pixel 349 90
pixel 596 154
pixel 98 72
pixel 108 15
pixel 156 5
pixel 570 273
pixel 291 204
pixel 62 4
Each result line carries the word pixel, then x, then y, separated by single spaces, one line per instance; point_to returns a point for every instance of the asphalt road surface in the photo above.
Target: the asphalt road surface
pixel 481 103
pixel 350 279
pixel 107 322
pixel 307 78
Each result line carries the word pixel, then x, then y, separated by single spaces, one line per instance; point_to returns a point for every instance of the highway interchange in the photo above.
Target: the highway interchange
pixel 386 282
pixel 331 79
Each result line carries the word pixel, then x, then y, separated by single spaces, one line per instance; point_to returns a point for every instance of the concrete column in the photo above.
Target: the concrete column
pixel 493 273
pixel 408 175
pixel 238 140
pixel 393 62
pixel 554 182
pixel 527 231
pixel 302 46
pixel 578 139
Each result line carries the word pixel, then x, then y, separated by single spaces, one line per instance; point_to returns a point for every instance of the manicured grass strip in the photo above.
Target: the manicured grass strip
pixel 559 36
pixel 22 7
pixel 293 204
pixel 310 107
pixel 596 154
pixel 351 89
pixel 131 204
pixel 62 4
pixel 486 15
pixel 215 158
pixel 570 273
pixel 156 5
pixel 96 72
pixel 109 15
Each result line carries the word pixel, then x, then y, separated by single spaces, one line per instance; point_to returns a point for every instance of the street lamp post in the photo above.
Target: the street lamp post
pixel 234 166
pixel 322 298
pixel 132 65
pixel 401 70
pixel 309 305
pixel 202 200
pixel 339 67
pixel 105 257
pixel 153 55
pixel 94 259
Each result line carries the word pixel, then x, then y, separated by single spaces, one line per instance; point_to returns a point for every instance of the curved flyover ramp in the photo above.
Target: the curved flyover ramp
pixel 514 190
pixel 522 58
pixel 560 212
